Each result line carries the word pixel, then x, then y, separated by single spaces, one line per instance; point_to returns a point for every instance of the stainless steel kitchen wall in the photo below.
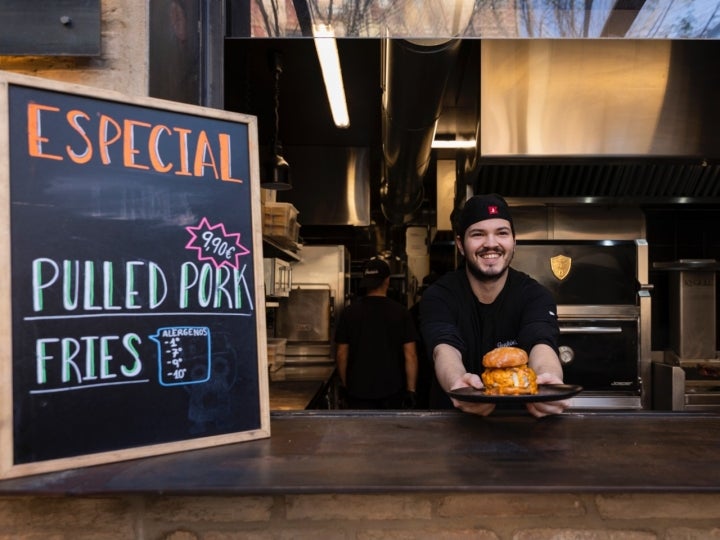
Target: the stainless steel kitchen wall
pixel 331 186
pixel 599 98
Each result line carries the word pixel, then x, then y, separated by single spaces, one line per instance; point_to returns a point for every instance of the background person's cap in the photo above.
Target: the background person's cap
pixel 480 208
pixel 374 273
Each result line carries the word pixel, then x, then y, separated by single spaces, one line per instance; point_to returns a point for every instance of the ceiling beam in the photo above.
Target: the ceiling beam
pixel 621 18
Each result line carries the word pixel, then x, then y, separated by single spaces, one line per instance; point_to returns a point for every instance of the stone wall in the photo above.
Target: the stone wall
pixel 364 517
pixel 123 64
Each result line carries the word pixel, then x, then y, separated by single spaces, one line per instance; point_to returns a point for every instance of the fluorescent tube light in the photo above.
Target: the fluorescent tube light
pixel 461 144
pixel 326 48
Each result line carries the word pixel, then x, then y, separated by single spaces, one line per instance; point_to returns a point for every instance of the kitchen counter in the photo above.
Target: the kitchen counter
pixel 299 387
pixel 353 452
pixel 294 395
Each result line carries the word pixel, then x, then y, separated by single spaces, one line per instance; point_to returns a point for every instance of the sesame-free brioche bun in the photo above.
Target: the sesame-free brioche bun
pixel 507 373
pixel 504 357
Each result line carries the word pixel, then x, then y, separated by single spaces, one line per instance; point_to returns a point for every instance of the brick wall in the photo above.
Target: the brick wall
pixel 365 517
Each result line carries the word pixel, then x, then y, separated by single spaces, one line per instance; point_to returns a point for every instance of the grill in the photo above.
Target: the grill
pixel 603 298
pixel 688 377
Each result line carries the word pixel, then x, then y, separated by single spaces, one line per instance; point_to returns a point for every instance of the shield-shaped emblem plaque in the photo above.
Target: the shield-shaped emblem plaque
pixel 560 265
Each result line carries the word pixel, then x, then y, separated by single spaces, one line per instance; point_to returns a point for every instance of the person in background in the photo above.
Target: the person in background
pixel 486 304
pixel 425 367
pixel 375 347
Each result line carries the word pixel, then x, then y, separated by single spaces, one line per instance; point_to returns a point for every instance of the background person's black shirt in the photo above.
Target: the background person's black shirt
pixel 375 328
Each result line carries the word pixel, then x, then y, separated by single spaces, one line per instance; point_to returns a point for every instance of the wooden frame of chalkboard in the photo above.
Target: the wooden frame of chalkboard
pixel 132 307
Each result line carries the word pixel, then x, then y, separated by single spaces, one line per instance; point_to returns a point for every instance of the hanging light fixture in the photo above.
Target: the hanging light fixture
pixel 327 52
pixel 276 173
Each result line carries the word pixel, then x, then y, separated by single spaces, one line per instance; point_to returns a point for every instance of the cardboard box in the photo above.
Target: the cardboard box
pixel 280 220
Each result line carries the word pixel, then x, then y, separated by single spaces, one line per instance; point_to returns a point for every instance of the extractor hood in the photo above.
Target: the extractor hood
pixel 599 98
pixel 623 121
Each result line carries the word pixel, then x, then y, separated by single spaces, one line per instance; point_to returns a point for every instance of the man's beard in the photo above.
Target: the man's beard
pixel 478 273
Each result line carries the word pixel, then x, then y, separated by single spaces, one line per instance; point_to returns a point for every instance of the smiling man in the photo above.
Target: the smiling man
pixel 486 304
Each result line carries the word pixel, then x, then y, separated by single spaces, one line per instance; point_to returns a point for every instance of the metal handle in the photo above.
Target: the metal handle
pixel 590 330
pixel 312 286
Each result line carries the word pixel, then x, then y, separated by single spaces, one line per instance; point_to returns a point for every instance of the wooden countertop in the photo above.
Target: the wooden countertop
pixel 352 452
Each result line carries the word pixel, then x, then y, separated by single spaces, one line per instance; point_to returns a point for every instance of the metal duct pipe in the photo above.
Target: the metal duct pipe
pixel 415 75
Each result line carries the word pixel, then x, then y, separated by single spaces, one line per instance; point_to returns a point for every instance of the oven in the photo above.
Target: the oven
pixel 603 300
pixel 599 351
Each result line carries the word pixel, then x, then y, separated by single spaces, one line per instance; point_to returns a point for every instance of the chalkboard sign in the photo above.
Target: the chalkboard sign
pixel 131 291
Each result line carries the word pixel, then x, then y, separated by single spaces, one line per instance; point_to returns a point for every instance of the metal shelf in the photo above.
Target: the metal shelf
pixel 272 248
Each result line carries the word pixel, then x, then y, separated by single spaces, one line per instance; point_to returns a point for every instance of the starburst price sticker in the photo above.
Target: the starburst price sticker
pixel 213 243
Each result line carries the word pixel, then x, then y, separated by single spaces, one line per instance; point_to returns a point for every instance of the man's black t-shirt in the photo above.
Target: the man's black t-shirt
pixel 376 328
pixel 523 315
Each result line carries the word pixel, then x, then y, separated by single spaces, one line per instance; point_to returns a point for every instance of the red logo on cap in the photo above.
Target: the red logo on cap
pixel 493 210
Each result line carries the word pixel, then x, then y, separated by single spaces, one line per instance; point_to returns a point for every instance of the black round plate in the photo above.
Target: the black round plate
pixel 546 392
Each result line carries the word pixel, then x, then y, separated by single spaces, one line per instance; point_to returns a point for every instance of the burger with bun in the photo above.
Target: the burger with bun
pixel 507 372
